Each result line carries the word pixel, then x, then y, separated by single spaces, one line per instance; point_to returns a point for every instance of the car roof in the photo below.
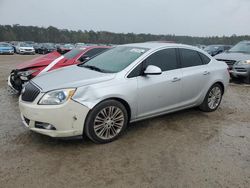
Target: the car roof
pixel 156 45
pixel 92 47
pixel 245 41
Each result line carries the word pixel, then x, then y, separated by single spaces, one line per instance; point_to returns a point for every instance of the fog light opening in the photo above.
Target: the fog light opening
pixel 42 125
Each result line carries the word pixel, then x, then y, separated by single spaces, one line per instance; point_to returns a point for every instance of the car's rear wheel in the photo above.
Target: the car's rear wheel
pixel 213 99
pixel 106 122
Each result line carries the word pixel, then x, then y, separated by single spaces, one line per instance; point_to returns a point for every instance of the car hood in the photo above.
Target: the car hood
pixel 6 48
pixel 39 61
pixel 27 48
pixel 70 77
pixel 233 56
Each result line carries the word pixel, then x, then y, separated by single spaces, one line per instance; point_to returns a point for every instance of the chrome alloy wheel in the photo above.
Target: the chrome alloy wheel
pixel 109 122
pixel 214 98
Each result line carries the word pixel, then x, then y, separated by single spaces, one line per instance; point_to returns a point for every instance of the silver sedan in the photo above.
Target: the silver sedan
pixel 125 84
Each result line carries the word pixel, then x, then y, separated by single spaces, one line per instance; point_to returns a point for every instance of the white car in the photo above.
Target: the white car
pixel 23 48
pixel 125 84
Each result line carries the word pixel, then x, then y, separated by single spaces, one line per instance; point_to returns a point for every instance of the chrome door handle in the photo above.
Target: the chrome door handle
pixel 176 79
pixel 206 73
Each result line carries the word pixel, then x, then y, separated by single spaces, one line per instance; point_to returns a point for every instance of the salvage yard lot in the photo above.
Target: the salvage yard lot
pixel 185 149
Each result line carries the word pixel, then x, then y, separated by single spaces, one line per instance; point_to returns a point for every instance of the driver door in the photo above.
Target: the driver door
pixel 160 93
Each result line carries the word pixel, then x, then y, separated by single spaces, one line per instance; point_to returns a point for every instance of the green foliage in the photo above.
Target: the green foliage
pixel 52 34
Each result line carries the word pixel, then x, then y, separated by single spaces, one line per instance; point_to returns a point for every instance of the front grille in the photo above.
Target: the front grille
pixel 238 69
pixel 30 93
pixel 229 62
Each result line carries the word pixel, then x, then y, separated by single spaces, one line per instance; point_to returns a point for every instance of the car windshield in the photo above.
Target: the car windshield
pixel 25 45
pixel 211 48
pixel 116 59
pixel 72 54
pixel 243 47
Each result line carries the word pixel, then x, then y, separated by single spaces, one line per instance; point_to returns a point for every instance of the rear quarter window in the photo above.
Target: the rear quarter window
pixel 204 58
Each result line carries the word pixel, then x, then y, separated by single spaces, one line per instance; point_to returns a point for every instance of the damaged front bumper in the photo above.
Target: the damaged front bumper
pixel 16 82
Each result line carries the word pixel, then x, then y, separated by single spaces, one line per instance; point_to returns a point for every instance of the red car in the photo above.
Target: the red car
pixel 28 70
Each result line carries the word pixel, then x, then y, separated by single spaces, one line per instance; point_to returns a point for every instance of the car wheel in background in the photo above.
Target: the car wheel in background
pixel 247 79
pixel 213 99
pixel 106 122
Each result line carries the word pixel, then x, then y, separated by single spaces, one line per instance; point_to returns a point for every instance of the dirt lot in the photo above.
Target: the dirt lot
pixel 184 149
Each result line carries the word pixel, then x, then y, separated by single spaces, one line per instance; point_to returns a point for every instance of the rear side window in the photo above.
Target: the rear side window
pixel 204 58
pixel 165 59
pixel 190 58
pixel 94 52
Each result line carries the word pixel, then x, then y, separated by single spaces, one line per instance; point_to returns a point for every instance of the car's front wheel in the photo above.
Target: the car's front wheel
pixel 213 99
pixel 106 122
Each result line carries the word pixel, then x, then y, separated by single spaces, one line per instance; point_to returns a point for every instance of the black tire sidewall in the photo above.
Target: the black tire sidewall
pixel 89 123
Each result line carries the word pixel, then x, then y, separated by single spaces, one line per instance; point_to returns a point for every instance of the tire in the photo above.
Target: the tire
pixel 247 80
pixel 104 129
pixel 211 101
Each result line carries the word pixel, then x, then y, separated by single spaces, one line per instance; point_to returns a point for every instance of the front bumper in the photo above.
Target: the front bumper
pixel 15 82
pixel 240 71
pixel 27 52
pixel 68 119
pixel 7 52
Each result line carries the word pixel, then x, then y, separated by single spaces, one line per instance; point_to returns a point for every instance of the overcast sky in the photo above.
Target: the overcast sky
pixel 179 17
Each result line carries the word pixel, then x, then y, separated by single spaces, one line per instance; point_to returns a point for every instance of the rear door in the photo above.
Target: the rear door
pixel 195 75
pixel 159 93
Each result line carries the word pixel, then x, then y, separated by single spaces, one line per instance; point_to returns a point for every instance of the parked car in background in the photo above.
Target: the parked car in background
pixel 6 48
pixel 28 70
pixel 217 49
pixel 31 43
pixel 125 84
pixel 23 48
pixel 45 48
pixel 80 45
pixel 201 46
pixel 64 48
pixel 36 46
pixel 238 60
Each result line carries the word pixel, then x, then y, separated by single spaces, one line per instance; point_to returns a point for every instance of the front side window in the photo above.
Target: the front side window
pixel 204 58
pixel 190 58
pixel 94 52
pixel 165 59
pixel 116 59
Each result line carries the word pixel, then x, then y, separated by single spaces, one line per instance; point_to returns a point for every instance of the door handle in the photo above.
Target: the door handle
pixel 176 79
pixel 206 73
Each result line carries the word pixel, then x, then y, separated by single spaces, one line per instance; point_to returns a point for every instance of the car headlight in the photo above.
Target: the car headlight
pixel 243 62
pixel 57 97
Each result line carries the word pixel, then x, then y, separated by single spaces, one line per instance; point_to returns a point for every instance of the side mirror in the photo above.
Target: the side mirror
pixel 84 58
pixel 152 70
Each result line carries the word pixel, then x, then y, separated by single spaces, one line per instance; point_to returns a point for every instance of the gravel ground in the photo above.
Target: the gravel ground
pixel 185 149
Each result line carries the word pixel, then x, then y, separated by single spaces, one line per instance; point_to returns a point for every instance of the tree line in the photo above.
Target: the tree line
pixel 52 34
